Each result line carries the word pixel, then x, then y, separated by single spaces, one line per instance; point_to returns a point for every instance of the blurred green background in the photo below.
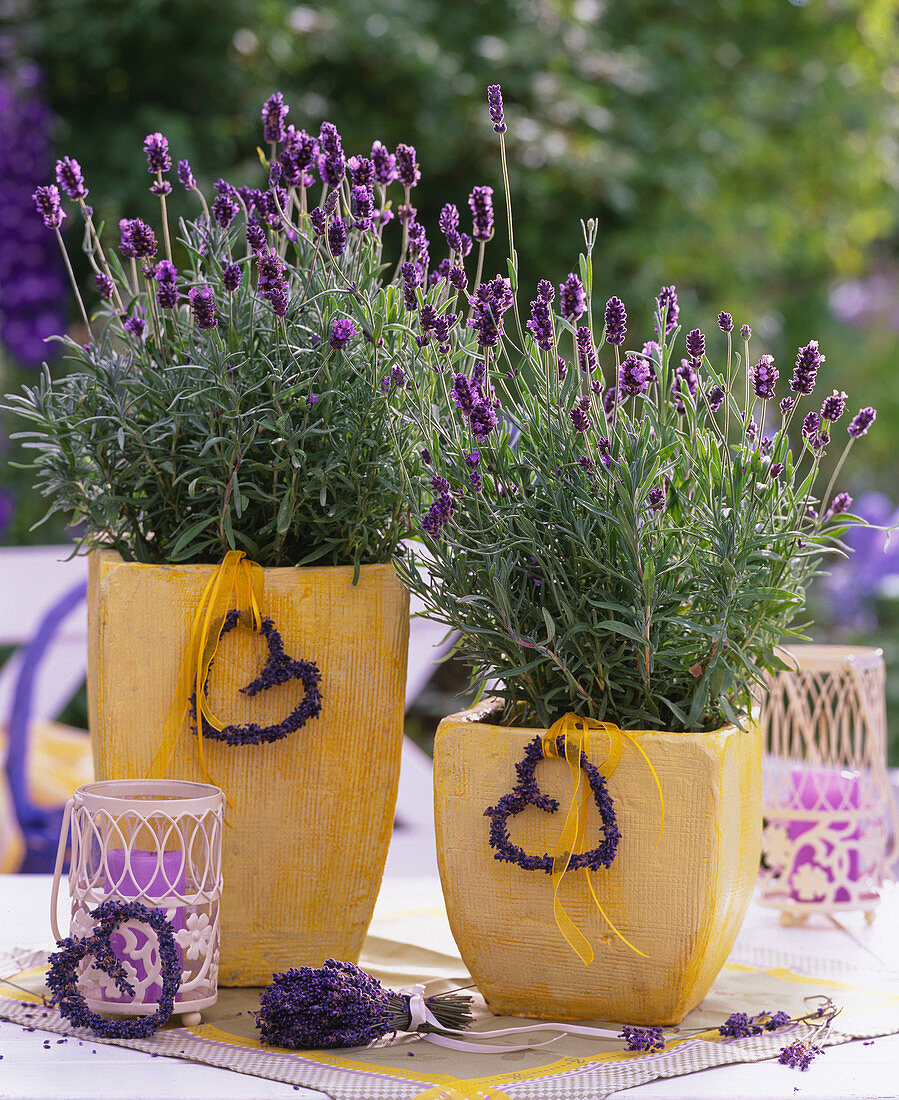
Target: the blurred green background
pixel 745 150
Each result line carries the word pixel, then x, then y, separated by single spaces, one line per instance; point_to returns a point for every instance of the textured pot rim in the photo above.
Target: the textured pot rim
pixel 479 714
pixel 112 556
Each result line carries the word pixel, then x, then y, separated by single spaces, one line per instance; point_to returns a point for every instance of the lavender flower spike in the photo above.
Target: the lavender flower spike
pixel 834 406
pixel 615 321
pixel 342 331
pixel 384 162
pixel 746 332
pixel 572 298
pixel 70 178
pixel 764 375
pixel 185 175
pixel 668 308
pixel 407 169
pixel 202 306
pixel 495 107
pixel 696 343
pixel 808 361
pixel 274 111
pixel 633 378
pixel 157 149
pixel 49 205
pixel 725 322
pixel 861 422
pixel 480 202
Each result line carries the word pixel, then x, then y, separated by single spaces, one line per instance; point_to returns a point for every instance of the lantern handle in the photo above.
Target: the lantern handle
pixel 57 870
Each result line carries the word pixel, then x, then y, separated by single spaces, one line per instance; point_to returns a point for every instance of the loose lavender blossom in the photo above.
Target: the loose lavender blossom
pixel 70 178
pixel 274 111
pixel 572 298
pixel 231 277
pixel 799 1055
pixel 480 202
pixel 256 238
pixel 643 1038
pixel 696 343
pixel 49 205
pixel 725 322
pixel 633 377
pixel 135 324
pixel 156 147
pixel 861 422
pixel 384 162
pixel 668 307
pixel 763 376
pixel 540 323
pixel 202 306
pixel 586 356
pixel 808 361
pixel 495 107
pixel 738 1025
pixel 615 321
pixel 834 406
pixel 331 161
pixel 185 175
pixel 342 331
pixel 407 169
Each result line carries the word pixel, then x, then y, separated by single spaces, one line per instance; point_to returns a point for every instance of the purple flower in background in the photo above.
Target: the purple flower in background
pixel 70 178
pixel 135 324
pixel 579 417
pixel 615 321
pixel 49 205
pixel 763 376
pixel 331 161
pixel 493 299
pixel 810 425
pixel 696 343
pixel 842 502
pixel 231 277
pixel 407 169
pixel 274 111
pixel 746 332
pixel 799 1055
pixel 716 397
pixel 256 238
pixel 156 147
pixel 540 323
pixel 610 400
pixel 185 175
pixel 384 162
pixel 412 277
pixel 480 202
pixel 586 356
pixel 342 331
pixel 495 107
pixel 808 360
pixel 300 147
pixel 166 276
pixel 137 239
pixel 643 1038
pixel 202 306
pixel 861 422
pixel 572 298
pixel 104 285
pixel 669 309
pixel 546 290
pixel 633 378
pixel 725 322
pixel 337 231
pixel 224 209
pixel 787 404
pixel 684 376
pixel 418 246
pixel 834 406
pixel 776 470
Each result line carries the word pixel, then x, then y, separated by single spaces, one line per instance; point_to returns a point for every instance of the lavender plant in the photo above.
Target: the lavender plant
pixel 231 399
pixel 616 519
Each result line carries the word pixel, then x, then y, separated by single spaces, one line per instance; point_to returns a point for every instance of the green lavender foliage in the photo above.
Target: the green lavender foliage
pixel 257 435
pixel 561 578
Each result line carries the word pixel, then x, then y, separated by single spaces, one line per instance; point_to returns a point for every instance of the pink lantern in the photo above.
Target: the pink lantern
pixel 157 842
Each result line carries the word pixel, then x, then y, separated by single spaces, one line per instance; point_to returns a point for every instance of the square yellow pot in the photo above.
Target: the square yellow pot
pixel 681 902
pixel 310 816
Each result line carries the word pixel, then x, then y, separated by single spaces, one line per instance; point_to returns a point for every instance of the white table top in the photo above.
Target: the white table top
pixel 72 1071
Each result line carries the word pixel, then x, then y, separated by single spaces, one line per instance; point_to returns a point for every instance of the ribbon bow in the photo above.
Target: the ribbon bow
pixel 572 729
pixel 236 582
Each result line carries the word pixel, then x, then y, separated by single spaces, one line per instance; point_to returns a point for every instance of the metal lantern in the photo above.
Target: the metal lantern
pixel 157 842
pixel 826 790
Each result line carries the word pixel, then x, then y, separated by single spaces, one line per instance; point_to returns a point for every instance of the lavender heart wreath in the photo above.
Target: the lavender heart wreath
pixel 279 668
pixel 62 979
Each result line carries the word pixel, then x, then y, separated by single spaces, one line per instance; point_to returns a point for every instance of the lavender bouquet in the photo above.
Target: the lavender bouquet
pixel 232 400
pixel 620 519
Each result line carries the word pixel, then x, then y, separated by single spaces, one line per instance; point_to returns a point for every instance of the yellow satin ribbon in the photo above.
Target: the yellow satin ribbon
pixel 573 729
pixel 236 583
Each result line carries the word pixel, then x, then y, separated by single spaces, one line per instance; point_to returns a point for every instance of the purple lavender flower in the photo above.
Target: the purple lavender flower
pixel 834 406
pixel 135 324
pixel 231 277
pixel 457 276
pixel 48 204
pixel 764 375
pixel 300 147
pixel 418 246
pixel 737 1026
pixel 808 360
pixel 540 323
pixel 342 331
pixel 362 171
pixel 166 276
pixel 337 232
pixel 643 1038
pixel 746 332
pixel 104 285
pixel 840 503
pixel 615 321
pixel 442 326
pixel 482 420
pixel 633 377
pixel 725 322
pixel 586 356
pixel 578 414
pixel 495 107
pixel 546 290
pixel 861 422
pixel 202 306
pixel 398 376
pixel 384 162
pixel 716 397
pixel 695 343
pixel 562 368
pixel 407 169
pixel 448 223
pixel 412 277
pixel 799 1055
pixel 185 175
pixel 256 238
pixel 655 500
pixel 156 147
pixel 331 161
pixel 775 1020
pixel 610 400
pixel 472 459
pixel 138 239
pixel 684 377
pixel 572 298
pixel 669 309
pixel 274 111
pixel 319 220
pixel 480 202
pixel 787 404
pixel 777 468
pixel 463 393
pixel 70 178
pixel 493 299
pixel 810 425
pixel 224 208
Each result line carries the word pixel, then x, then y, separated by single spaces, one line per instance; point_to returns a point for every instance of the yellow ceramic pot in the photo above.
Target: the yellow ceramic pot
pixel 681 902
pixel 310 816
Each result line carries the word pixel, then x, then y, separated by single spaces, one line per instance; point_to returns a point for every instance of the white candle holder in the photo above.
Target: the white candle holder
pixel 826 791
pixel 159 843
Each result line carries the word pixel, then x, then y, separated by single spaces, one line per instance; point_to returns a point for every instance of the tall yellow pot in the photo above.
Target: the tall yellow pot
pixel 310 816
pixel 681 902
